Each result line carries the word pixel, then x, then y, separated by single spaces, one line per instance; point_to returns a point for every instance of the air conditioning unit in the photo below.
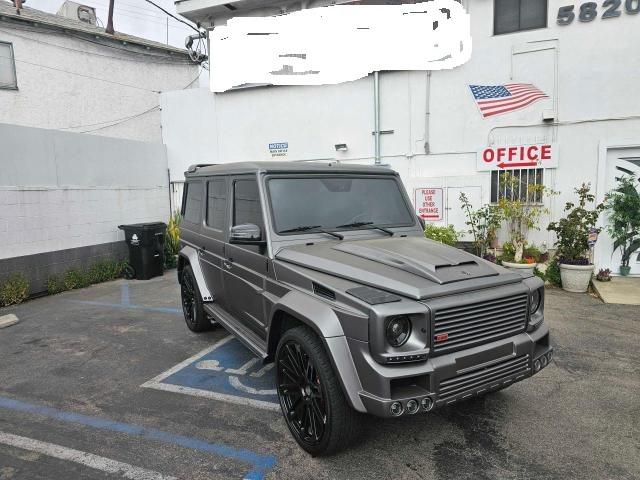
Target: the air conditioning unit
pixel 76 11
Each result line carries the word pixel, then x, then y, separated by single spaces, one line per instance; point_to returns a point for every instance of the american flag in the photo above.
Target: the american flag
pixel 497 99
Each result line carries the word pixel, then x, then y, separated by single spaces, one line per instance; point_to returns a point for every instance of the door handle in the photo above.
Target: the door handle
pixel 227 264
pixel 202 250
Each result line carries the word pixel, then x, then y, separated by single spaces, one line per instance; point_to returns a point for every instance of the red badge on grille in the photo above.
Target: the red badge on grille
pixel 441 337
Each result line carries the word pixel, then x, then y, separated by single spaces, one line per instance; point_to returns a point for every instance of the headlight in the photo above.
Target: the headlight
pixel 398 330
pixel 536 299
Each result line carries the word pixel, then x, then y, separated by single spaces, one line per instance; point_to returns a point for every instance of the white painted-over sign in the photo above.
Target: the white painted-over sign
pixel 429 203
pixel 510 157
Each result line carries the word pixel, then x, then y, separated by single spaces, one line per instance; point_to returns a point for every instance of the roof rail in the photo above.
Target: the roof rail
pixel 195 167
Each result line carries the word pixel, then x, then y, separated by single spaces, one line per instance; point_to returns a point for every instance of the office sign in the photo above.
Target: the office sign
pixel 511 157
pixel 429 203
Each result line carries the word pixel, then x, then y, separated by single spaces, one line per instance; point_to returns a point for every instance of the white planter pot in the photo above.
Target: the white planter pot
pixel 575 278
pixel 523 267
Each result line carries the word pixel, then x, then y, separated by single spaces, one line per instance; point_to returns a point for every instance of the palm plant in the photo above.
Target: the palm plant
pixel 623 204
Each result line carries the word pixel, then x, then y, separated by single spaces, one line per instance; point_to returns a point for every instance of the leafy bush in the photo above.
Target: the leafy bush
pixel 483 224
pixel 539 273
pixel 172 240
pixel 531 251
pixel 55 284
pixel 508 252
pixel 14 290
pixel 623 205
pixel 104 271
pixel 552 274
pixel 446 235
pixel 573 230
pixel 75 278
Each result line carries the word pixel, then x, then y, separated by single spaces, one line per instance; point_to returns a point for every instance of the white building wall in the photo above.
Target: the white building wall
pixel 60 191
pixel 589 70
pixel 107 94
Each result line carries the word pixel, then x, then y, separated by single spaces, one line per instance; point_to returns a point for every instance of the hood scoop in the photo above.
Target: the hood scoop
pixel 433 261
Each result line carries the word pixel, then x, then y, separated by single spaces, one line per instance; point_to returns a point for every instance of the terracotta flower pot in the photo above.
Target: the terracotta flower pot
pixel 575 278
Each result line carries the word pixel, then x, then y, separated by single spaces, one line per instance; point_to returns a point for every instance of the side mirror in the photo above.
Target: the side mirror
pixel 246 234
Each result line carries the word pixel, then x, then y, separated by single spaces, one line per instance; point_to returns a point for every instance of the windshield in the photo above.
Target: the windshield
pixel 304 204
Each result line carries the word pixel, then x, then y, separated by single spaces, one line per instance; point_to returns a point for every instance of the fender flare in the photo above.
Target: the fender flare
pixel 191 255
pixel 321 318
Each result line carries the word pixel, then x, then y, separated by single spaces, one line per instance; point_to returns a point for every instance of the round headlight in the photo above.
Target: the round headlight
pixel 398 330
pixel 536 299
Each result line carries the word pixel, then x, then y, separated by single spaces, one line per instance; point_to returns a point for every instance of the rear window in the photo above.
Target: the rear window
pixel 192 208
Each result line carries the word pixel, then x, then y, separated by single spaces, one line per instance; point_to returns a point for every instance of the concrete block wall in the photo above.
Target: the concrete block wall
pixel 63 195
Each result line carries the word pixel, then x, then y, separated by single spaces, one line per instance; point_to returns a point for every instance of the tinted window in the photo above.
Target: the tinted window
pixel 329 202
pixel 515 15
pixel 216 203
pixel 193 202
pixel 247 207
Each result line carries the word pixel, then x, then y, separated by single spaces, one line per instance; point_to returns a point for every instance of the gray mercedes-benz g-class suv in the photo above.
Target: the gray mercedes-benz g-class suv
pixel 324 270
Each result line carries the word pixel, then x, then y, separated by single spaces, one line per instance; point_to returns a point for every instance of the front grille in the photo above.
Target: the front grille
pixel 464 326
pixel 491 376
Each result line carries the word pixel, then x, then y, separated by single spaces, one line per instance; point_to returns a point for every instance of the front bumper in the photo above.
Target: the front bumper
pixel 447 379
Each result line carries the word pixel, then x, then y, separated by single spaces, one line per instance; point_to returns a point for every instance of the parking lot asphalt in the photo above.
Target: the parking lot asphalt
pixel 73 404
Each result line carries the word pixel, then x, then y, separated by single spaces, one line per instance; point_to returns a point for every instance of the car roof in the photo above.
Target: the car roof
pixel 285 167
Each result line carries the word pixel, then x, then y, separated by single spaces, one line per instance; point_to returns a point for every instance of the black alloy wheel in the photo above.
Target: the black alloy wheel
pixel 311 398
pixel 192 307
pixel 301 394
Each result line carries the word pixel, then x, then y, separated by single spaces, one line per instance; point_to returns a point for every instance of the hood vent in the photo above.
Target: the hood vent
pixel 324 292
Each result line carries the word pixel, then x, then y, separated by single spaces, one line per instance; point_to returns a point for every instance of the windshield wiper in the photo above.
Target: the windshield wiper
pixel 366 224
pixel 306 228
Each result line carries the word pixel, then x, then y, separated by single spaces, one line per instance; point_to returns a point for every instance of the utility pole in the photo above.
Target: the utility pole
pixel 18 5
pixel 109 28
pixel 167 30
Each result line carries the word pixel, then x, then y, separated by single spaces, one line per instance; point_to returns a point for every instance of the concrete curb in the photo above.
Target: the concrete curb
pixel 8 320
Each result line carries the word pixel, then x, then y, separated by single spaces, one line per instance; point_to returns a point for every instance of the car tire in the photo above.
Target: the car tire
pixel 192 306
pixel 312 401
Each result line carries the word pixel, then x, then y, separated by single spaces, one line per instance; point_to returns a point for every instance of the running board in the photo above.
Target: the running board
pixel 233 326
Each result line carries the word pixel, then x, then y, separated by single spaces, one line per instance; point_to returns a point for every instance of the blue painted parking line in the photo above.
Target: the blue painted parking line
pixel 226 371
pixel 125 303
pixel 260 464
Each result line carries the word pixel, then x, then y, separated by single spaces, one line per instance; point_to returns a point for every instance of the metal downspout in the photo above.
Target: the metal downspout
pixel 376 114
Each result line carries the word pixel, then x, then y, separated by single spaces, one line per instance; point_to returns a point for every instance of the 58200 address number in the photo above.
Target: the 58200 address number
pixel 589 11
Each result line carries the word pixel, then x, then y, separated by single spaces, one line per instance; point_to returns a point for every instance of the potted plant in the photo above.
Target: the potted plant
pixel 623 205
pixel 529 260
pixel 483 225
pixel 572 243
pixel 604 275
pixel 521 210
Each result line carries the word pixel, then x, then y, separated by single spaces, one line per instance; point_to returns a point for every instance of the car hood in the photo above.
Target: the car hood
pixel 411 266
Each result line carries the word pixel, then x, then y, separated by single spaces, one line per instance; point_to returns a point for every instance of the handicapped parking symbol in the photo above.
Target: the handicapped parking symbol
pixel 226 371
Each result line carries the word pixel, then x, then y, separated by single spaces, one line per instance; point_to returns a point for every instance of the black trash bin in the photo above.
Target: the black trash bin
pixel 146 249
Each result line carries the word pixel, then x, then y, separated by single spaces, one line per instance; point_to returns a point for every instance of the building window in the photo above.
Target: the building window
pixel 515 185
pixel 217 203
pixel 516 15
pixel 7 67
pixel 193 202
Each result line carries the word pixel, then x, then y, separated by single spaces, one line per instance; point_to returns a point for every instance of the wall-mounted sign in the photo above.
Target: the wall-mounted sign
pixel 429 203
pixel 510 157
pixel 593 237
pixel 588 11
pixel 279 149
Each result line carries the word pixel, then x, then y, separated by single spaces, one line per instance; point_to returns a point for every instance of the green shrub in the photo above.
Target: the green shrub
pixel 508 252
pixel 14 290
pixel 539 273
pixel 55 284
pixel 446 235
pixel 533 252
pixel 75 278
pixel 104 271
pixel 552 274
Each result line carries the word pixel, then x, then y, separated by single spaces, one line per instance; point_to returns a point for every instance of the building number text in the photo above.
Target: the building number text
pixel 589 11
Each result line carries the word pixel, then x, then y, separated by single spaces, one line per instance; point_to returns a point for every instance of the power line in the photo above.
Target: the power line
pixel 173 16
pixel 126 119
pixel 82 75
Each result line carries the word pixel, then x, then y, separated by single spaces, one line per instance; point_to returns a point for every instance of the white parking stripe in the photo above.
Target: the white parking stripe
pixel 88 459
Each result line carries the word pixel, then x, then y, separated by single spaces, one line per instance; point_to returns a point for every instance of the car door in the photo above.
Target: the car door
pixel 212 243
pixel 245 266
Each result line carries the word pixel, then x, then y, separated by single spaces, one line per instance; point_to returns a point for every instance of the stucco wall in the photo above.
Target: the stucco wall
pixel 63 195
pixel 109 84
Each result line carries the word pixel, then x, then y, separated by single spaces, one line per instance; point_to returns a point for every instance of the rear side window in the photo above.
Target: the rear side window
pixel 193 202
pixel 216 203
pixel 246 201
